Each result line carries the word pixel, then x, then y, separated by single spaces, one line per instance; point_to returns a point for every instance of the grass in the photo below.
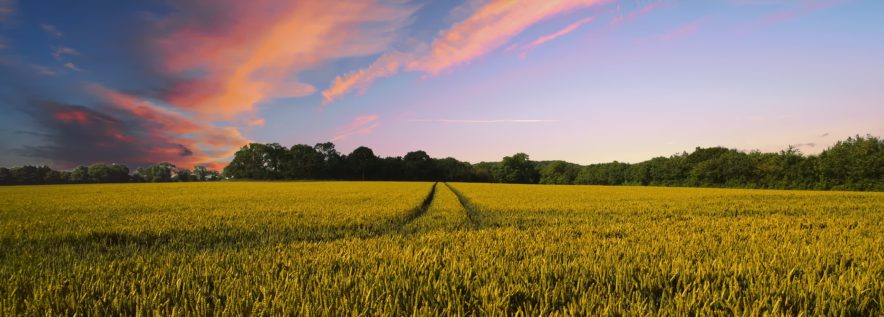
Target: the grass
pixel 376 248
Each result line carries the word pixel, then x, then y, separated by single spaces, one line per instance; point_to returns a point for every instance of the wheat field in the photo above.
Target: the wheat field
pixel 411 248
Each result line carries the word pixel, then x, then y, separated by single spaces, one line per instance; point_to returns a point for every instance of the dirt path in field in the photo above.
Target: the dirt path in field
pixel 468 207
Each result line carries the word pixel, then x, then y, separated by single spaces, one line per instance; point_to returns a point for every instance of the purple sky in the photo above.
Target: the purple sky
pixel 139 82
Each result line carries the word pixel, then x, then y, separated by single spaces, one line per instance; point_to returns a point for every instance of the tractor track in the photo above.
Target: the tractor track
pixel 468 207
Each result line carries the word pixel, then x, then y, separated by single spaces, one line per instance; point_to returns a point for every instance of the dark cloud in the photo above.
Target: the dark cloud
pixel 76 135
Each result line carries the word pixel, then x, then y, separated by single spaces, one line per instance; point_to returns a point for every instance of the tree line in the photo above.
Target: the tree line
pixel 853 164
pixel 105 173
pixel 856 163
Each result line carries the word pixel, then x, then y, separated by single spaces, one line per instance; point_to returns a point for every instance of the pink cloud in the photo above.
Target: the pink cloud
pixel 549 37
pixel 387 65
pixel 490 27
pixel 359 126
pixel 253 51
pixel 72 116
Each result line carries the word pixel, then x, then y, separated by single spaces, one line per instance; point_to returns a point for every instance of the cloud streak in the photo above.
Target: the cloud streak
pixel 387 65
pixel 552 36
pixel 59 52
pixel 359 126
pixel 72 67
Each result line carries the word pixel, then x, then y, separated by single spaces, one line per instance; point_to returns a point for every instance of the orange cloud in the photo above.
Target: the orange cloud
pixel 490 27
pixel 172 136
pixel 359 125
pixel 549 37
pixel 256 50
pixel 387 65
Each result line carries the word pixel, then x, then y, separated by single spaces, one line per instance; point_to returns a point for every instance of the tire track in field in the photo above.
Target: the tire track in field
pixel 468 206
pixel 420 210
pixel 202 239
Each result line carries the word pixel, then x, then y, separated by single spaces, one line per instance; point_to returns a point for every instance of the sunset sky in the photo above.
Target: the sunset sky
pixel 189 82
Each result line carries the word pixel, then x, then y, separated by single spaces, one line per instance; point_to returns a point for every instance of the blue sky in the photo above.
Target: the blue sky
pixel 586 81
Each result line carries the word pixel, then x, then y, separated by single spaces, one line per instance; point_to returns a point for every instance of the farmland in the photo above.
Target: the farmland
pixel 388 248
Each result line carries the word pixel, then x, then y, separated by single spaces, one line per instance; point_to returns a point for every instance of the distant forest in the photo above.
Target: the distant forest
pixel 853 164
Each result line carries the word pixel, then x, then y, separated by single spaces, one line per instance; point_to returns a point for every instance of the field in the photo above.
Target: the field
pixel 377 248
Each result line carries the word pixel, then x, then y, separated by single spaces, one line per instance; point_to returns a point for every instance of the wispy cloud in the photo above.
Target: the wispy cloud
pixel 801 145
pixel 72 66
pixel 552 36
pixel 59 52
pixel 51 30
pixel 359 126
pixel 387 65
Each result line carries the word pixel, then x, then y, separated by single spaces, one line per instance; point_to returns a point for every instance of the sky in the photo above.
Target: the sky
pixel 587 81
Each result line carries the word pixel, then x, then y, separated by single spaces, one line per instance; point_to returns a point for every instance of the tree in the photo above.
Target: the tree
pixel 200 173
pixel 856 163
pixel 332 161
pixel 29 175
pixel 108 173
pixel 304 162
pixel 6 176
pixel 80 175
pixel 161 172
pixel 418 166
pixel 183 175
pixel 516 169
pixel 559 172
pixel 361 161
pixel 452 170
pixel 257 161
